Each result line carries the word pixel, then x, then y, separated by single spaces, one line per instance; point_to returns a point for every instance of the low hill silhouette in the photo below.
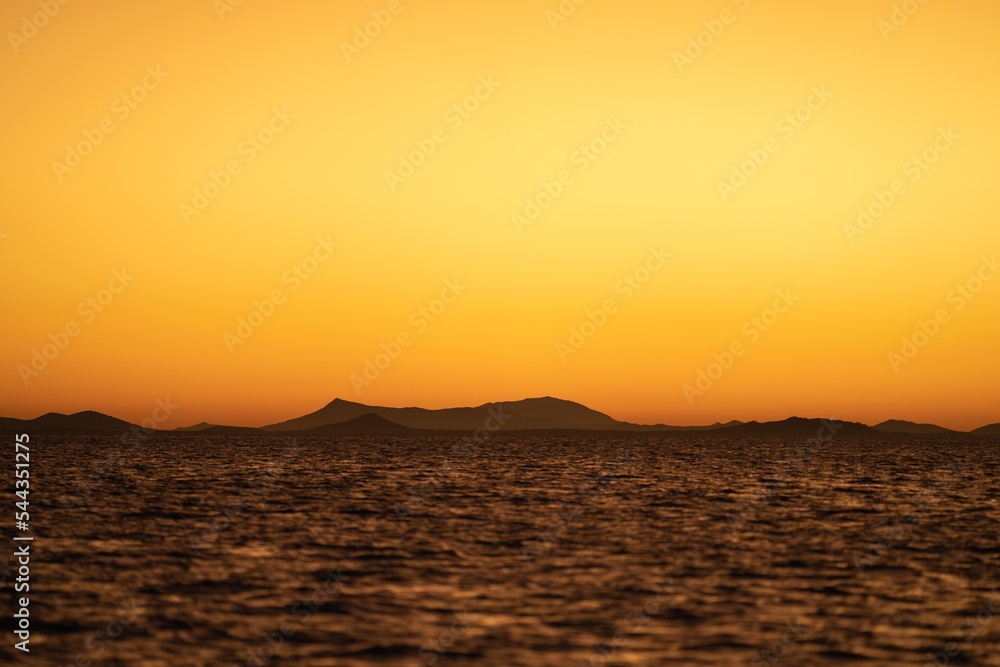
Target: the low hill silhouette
pixel 197 427
pixel 911 428
pixel 222 430
pixel 798 427
pixel 54 422
pixel 205 428
pixel 368 424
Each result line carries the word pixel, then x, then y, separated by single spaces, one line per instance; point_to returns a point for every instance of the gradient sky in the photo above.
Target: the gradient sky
pixel 559 85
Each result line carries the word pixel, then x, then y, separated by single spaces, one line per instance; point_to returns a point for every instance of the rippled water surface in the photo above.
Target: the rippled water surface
pixel 193 550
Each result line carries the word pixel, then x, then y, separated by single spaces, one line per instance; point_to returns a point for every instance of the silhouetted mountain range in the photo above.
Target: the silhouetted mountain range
pixel 534 415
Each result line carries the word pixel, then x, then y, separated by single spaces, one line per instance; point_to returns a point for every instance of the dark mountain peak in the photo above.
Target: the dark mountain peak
pixel 543 399
pixel 339 401
pixel 371 418
pixel 366 424
pixel 196 427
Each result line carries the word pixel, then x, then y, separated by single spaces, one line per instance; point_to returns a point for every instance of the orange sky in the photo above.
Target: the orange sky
pixel 171 168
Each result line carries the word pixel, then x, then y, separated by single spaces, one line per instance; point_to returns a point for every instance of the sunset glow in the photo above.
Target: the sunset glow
pixel 671 212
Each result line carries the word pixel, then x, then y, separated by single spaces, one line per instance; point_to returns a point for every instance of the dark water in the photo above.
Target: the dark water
pixel 632 551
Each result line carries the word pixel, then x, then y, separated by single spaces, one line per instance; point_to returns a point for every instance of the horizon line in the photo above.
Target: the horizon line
pixel 666 424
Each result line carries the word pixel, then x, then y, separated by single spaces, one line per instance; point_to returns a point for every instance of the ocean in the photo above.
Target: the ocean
pixel 189 550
